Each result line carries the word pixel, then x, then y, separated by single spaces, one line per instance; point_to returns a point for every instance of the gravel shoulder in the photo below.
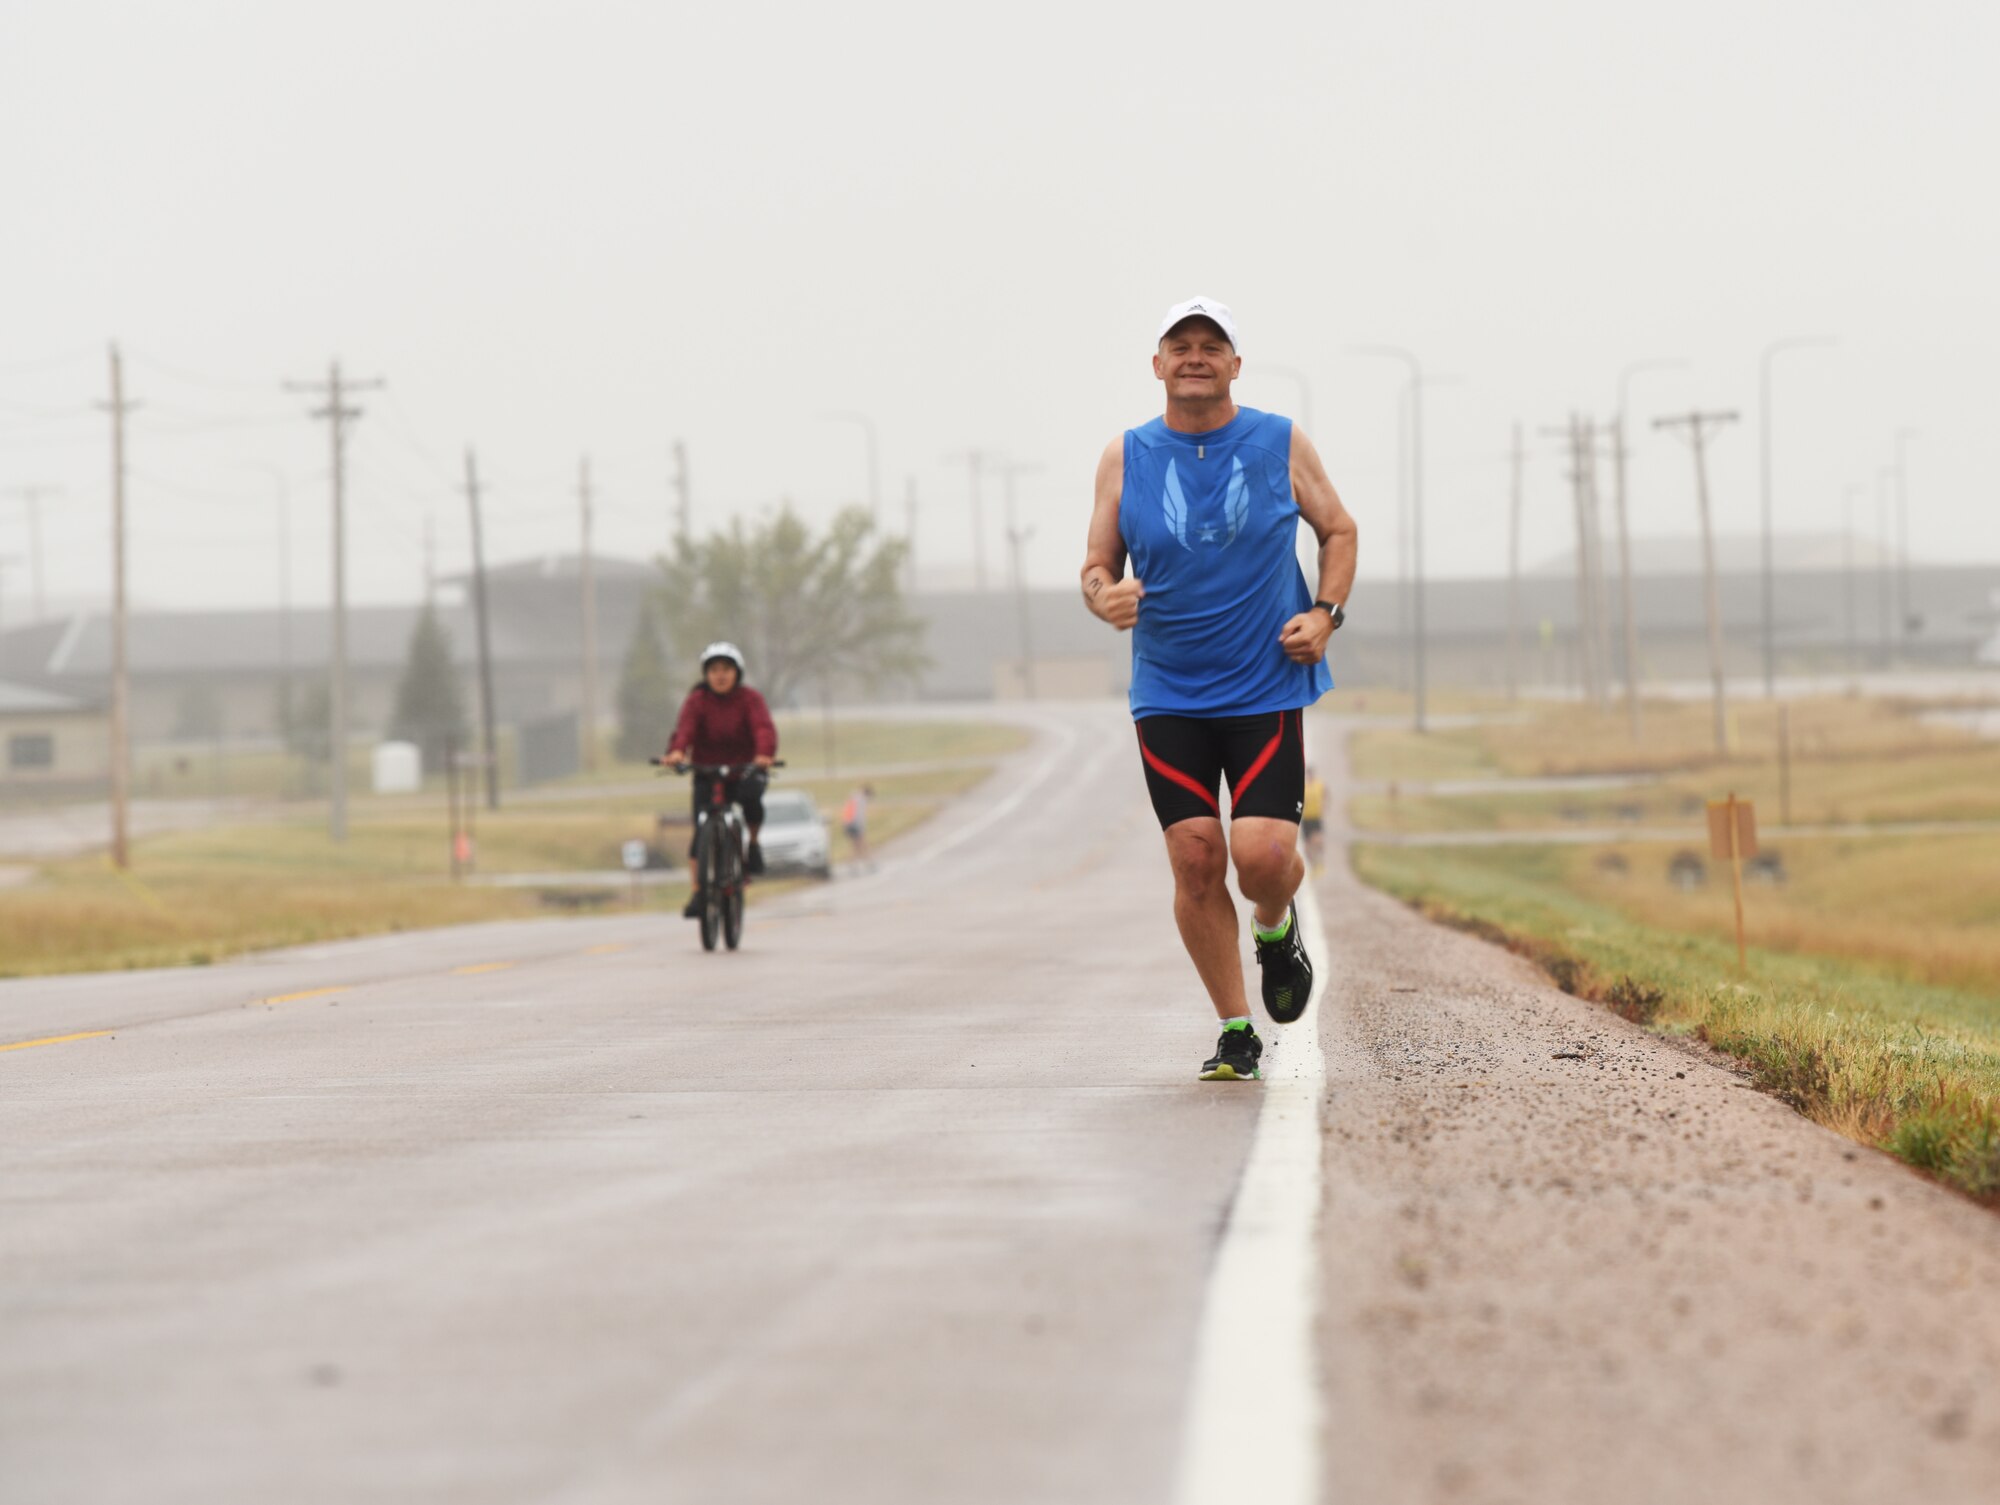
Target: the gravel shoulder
pixel 1566 1260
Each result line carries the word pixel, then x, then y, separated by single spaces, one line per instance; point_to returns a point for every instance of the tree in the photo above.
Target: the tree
pixel 804 609
pixel 308 721
pixel 430 704
pixel 647 695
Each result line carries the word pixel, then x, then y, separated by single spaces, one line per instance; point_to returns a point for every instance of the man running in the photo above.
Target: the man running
pixel 1228 649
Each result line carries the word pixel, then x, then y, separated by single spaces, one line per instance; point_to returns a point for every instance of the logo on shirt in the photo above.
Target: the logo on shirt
pixel 1222 531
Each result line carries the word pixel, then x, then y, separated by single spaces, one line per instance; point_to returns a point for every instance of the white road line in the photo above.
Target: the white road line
pixel 1066 736
pixel 1254 1409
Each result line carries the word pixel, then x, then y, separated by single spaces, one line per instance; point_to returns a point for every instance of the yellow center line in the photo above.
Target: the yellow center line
pixel 481 967
pixel 607 949
pixel 94 1034
pixel 309 993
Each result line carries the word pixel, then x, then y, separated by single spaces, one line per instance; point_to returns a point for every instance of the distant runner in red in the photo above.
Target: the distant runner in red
pixel 723 720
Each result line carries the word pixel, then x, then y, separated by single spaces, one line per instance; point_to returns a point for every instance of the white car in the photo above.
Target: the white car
pixel 794 836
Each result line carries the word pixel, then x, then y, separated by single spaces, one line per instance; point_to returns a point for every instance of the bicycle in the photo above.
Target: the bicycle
pixel 721 842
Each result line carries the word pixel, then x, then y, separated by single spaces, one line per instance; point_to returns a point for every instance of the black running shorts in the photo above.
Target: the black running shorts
pixel 1262 758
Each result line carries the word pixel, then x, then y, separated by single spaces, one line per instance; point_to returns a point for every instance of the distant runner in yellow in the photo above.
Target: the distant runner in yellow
pixel 1312 818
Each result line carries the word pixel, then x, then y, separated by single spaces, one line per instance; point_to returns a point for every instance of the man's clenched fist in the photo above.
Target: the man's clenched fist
pixel 1118 604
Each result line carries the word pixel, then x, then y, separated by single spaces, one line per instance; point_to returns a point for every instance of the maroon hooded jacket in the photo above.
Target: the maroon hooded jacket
pixel 732 728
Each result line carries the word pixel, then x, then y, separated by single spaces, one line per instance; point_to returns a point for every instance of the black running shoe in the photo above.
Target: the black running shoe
pixel 1235 1058
pixel 1288 974
pixel 693 910
pixel 754 862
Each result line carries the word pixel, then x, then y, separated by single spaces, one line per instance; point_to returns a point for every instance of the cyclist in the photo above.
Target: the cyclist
pixel 723 720
pixel 1228 649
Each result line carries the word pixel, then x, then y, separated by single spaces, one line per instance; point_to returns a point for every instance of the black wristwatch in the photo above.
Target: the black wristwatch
pixel 1334 610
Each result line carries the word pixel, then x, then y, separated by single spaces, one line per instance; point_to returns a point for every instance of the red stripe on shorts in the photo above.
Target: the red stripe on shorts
pixel 1167 771
pixel 1263 759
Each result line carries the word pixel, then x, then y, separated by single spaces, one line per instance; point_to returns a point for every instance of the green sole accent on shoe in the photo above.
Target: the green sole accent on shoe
pixel 1230 1074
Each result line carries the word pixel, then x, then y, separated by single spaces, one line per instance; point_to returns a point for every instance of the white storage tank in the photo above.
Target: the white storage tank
pixel 399 768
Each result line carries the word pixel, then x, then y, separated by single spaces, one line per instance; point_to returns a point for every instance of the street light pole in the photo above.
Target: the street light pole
pixel 1847 577
pixel 1397 352
pixel 1292 373
pixel 1903 620
pixel 1885 566
pixel 1797 342
pixel 1017 539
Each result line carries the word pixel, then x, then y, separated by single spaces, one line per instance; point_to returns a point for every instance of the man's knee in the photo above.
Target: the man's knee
pixel 1200 862
pixel 1264 866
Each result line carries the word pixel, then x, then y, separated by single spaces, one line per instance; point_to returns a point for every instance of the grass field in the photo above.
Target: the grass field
pixel 1872 1000
pixel 194 897
pixel 195 771
pixel 1853 761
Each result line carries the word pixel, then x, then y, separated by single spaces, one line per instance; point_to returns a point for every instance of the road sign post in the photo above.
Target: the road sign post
pixel 634 856
pixel 1732 834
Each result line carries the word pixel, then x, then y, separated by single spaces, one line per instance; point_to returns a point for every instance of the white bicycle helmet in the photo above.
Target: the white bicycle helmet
pixel 729 651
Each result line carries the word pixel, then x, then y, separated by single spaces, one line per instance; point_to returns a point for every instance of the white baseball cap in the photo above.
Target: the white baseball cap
pixel 1217 314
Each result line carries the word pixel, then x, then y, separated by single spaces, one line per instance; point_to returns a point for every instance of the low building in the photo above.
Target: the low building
pixel 51 743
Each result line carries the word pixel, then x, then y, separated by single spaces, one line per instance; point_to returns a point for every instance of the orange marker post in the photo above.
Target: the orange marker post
pixel 1732 834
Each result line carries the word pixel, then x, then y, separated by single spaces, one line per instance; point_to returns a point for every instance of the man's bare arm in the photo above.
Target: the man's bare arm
pixel 1320 506
pixel 1106 591
pixel 1304 637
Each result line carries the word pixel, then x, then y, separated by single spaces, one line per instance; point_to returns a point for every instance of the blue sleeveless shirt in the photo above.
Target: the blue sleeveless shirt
pixel 1211 528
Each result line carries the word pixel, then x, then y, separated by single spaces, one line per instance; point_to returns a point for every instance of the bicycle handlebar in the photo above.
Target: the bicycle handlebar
pixel 725 770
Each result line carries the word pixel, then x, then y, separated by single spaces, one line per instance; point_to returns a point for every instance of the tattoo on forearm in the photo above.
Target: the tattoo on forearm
pixel 1094 584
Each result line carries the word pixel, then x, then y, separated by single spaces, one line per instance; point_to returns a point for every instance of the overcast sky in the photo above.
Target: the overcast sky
pixel 558 229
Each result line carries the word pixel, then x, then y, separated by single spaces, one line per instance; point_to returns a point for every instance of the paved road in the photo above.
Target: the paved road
pixel 914 1200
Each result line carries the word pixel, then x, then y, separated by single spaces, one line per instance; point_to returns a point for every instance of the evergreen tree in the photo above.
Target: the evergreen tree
pixel 647 696
pixel 308 721
pixel 430 704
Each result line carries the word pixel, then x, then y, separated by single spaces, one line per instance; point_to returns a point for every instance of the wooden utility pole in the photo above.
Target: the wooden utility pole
pixel 1514 572
pixel 33 495
pixel 1586 636
pixel 1697 426
pixel 1631 626
pixel 1017 539
pixel 910 538
pixel 121 686
pixel 683 508
pixel 430 561
pixel 1601 611
pixel 338 415
pixel 489 746
pixel 588 574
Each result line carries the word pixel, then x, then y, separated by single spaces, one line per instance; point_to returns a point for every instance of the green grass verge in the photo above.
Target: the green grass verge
pixel 1905 1065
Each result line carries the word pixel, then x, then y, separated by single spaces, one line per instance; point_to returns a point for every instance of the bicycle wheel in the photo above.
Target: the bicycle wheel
pixel 732 901
pixel 709 868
